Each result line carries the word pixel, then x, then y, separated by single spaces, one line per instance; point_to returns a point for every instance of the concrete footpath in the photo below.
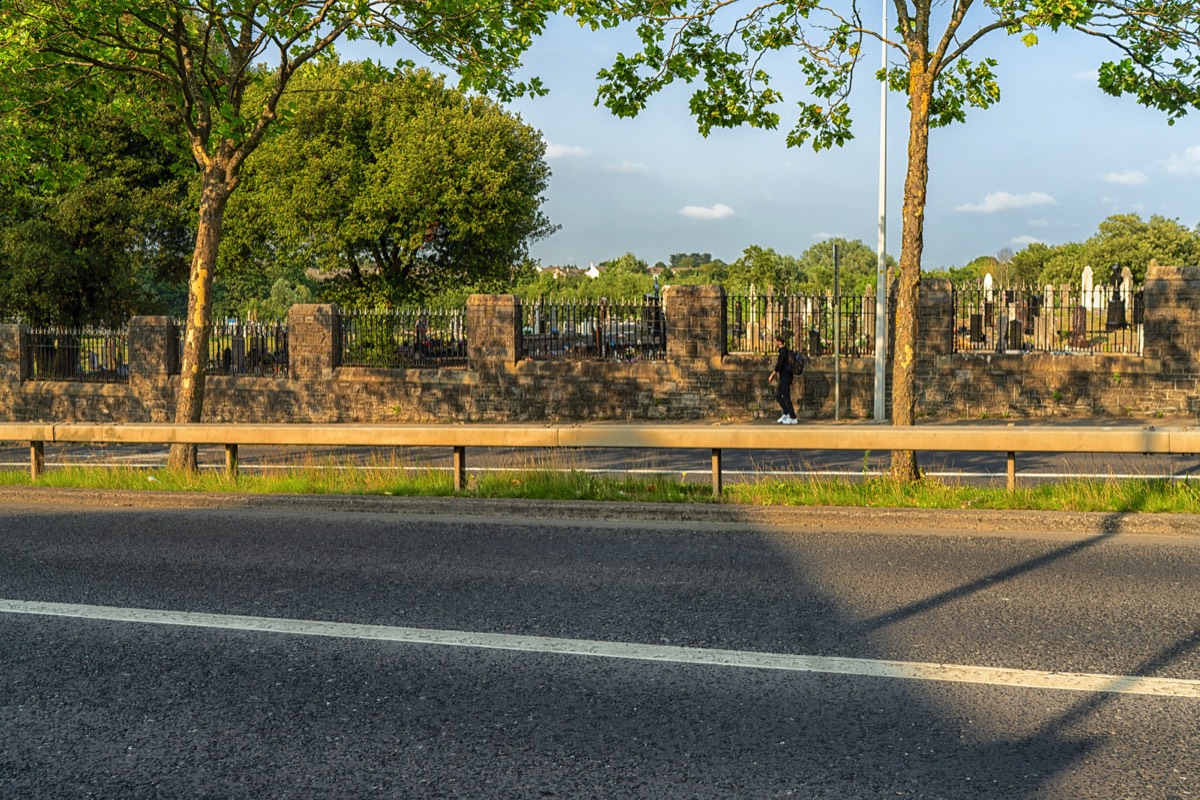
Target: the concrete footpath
pixel 797 518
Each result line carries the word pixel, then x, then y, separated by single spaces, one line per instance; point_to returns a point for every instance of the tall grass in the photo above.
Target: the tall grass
pixel 539 481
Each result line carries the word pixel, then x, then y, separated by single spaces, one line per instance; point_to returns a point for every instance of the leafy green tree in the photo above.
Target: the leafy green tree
pixel 766 270
pixel 393 185
pixel 204 59
pixel 249 268
pixel 1004 271
pixel 980 266
pixel 684 261
pixel 109 244
pixel 275 306
pixel 697 268
pixel 1028 263
pixel 1123 239
pixel 1127 240
pixel 1006 268
pixel 727 48
pixel 548 283
pixel 960 276
pixel 621 279
pixel 857 265
pixel 628 263
pixel 1062 265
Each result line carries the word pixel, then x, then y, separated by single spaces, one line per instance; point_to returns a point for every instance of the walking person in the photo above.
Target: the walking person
pixel 783 390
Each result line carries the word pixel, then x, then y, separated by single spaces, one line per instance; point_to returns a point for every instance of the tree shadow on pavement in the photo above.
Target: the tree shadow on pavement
pixel 360 718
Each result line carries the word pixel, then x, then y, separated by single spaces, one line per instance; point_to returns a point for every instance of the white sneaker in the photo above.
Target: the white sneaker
pixel 781 419
pixel 791 421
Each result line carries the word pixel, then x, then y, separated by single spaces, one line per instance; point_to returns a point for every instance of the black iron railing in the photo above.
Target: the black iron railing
pixel 1049 320
pixel 249 348
pixel 403 338
pixel 92 355
pixel 630 330
pixel 809 322
pixel 236 347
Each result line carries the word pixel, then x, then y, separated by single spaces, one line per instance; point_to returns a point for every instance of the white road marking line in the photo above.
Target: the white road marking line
pixel 956 673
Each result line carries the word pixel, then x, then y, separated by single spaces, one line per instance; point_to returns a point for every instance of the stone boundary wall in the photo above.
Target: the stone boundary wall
pixel 696 381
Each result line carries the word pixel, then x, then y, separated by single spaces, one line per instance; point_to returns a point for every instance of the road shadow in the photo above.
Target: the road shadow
pixel 570 726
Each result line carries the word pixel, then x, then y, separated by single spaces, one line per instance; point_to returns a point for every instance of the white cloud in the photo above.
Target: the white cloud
pixel 627 167
pixel 1006 201
pixel 719 211
pixel 1131 177
pixel 1026 239
pixel 566 151
pixel 1186 164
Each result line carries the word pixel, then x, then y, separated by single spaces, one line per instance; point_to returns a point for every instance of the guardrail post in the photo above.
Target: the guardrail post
pixel 37 459
pixel 231 461
pixel 460 468
pixel 1012 471
pixel 716 472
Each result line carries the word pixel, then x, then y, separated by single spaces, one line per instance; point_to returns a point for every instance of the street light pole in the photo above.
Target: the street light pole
pixel 881 298
pixel 837 333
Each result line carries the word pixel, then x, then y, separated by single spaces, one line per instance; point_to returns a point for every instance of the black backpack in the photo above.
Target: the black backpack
pixel 795 362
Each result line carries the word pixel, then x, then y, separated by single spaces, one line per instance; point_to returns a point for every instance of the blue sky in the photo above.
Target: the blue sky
pixel 1048 163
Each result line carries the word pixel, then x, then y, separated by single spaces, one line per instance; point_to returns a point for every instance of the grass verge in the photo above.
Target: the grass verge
pixel 1102 495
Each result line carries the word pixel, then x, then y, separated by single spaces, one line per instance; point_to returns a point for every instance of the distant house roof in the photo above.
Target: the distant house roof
pixel 562 272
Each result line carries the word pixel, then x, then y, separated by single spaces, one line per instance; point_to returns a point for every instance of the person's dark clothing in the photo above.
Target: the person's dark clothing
pixel 782 367
pixel 783 389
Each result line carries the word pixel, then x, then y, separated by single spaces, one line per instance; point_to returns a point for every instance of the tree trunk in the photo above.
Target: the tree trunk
pixel 189 402
pixel 916 181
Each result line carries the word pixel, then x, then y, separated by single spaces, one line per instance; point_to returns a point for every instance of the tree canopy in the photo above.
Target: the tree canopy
pixel 392 186
pixel 111 242
pixel 857 263
pixel 1124 239
pixel 764 270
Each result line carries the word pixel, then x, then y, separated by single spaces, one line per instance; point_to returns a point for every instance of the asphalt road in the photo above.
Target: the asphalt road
pixel 468 649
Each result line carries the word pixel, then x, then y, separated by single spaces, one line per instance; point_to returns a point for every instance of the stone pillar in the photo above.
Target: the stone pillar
pixel 935 314
pixel 153 358
pixel 493 330
pixel 14 355
pixel 153 348
pixel 695 319
pixel 12 347
pixel 1171 323
pixel 314 348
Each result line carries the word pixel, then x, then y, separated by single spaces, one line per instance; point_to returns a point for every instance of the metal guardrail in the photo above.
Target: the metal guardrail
pixel 717 438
